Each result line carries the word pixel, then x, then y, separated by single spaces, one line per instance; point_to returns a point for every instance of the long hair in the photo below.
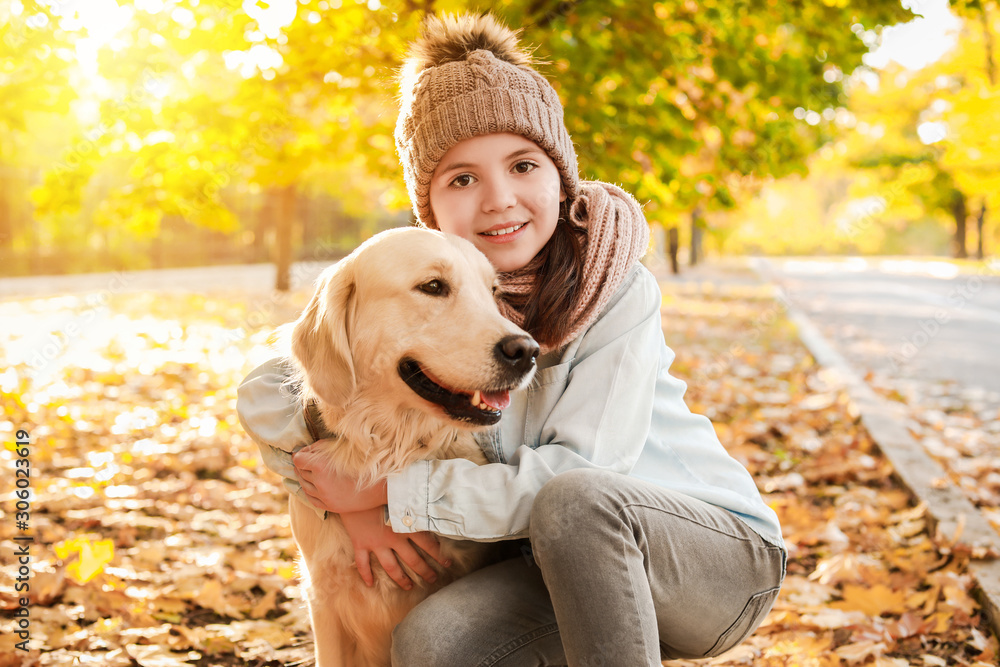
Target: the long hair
pixel 548 309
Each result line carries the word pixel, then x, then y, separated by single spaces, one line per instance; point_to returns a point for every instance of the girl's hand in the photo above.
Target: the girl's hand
pixel 370 535
pixel 332 491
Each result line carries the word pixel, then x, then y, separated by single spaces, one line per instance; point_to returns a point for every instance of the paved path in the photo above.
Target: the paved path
pixel 908 320
pixel 240 277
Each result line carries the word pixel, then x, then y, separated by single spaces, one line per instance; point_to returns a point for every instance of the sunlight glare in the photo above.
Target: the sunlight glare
pixel 920 42
pixel 933 268
pixel 821 266
pixel 932 132
pixel 184 17
pixel 259 57
pixel 103 19
pixel 159 137
pixel 273 16
pixel 9 381
pixel 150 6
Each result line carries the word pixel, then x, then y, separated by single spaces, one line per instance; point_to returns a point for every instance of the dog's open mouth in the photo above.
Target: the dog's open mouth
pixel 477 407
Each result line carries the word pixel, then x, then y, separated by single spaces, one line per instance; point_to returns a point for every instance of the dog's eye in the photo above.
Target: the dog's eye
pixel 434 287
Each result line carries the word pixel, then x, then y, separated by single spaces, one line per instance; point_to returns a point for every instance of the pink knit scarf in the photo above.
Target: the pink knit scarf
pixel 617 236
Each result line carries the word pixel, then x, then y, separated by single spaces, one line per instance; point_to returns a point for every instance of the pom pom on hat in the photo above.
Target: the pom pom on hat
pixel 448 39
pixel 467 76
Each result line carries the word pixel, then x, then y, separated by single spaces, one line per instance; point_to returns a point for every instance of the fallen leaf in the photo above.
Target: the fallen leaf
pixel 93 556
pixel 154 655
pixel 860 651
pixel 873 601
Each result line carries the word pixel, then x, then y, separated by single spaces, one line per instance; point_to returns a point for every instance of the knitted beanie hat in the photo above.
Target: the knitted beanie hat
pixel 465 77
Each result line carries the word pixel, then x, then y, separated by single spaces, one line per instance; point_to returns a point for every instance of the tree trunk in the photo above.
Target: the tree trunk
pixel 991 68
pixel 959 210
pixel 262 218
pixel 980 223
pixel 673 245
pixel 283 210
pixel 695 236
pixel 6 210
pixel 156 250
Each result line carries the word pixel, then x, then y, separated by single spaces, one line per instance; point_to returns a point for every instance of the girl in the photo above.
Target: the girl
pixel 647 540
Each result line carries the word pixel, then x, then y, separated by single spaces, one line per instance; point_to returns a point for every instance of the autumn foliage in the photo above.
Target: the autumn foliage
pixel 160 540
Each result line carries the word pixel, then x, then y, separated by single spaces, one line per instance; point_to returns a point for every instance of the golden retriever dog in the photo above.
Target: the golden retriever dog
pixel 405 354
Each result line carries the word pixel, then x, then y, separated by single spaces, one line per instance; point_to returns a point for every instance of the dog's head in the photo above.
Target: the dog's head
pixel 410 317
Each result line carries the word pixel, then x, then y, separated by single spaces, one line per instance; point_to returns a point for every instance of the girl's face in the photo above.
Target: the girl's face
pixel 500 191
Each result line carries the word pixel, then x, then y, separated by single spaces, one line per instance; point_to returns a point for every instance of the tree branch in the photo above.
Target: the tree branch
pixel 562 8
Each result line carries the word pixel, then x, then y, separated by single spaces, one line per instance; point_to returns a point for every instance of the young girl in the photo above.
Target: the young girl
pixel 647 540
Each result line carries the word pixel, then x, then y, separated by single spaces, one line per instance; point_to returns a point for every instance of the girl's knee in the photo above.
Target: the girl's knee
pixel 406 641
pixel 418 640
pixel 437 631
pixel 571 503
pixel 574 489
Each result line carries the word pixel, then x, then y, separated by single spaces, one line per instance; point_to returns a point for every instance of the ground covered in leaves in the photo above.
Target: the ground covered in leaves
pixel 160 540
pixel 958 427
pixel 866 582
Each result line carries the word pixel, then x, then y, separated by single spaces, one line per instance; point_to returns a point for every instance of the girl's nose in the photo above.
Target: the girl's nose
pixel 498 196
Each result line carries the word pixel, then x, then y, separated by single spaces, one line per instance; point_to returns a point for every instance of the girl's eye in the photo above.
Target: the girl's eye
pixel 524 167
pixel 434 287
pixel 462 181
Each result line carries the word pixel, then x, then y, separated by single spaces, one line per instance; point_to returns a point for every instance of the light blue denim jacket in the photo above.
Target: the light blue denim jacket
pixel 605 400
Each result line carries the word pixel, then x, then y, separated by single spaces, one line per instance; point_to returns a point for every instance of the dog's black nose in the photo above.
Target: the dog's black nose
pixel 517 351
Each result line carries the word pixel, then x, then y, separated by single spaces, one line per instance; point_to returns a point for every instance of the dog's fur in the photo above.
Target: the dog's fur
pixel 370 311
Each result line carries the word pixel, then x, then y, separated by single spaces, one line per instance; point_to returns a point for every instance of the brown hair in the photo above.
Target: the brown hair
pixel 548 309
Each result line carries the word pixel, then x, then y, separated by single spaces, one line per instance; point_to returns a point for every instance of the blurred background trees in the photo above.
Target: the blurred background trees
pixel 147 133
pixel 912 165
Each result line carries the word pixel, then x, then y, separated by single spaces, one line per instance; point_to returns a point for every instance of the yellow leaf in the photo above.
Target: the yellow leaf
pixel 266 604
pixel 212 596
pixel 860 651
pixel 829 619
pixel 881 661
pixel 93 556
pixel 845 567
pixel 872 601
pixel 156 655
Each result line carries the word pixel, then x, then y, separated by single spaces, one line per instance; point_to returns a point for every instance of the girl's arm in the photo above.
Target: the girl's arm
pixel 274 419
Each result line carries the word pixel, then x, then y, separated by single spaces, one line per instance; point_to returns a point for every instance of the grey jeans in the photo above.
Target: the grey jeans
pixel 623 573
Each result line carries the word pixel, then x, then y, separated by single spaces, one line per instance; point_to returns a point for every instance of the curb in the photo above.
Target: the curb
pixel 953 518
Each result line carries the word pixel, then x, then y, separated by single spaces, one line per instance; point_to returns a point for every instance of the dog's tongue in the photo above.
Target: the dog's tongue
pixel 496 399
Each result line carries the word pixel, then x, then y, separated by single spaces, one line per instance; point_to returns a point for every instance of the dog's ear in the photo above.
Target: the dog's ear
pixel 321 342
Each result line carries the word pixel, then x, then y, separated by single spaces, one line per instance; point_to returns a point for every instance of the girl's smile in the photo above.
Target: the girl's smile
pixel 500 191
pixel 504 234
